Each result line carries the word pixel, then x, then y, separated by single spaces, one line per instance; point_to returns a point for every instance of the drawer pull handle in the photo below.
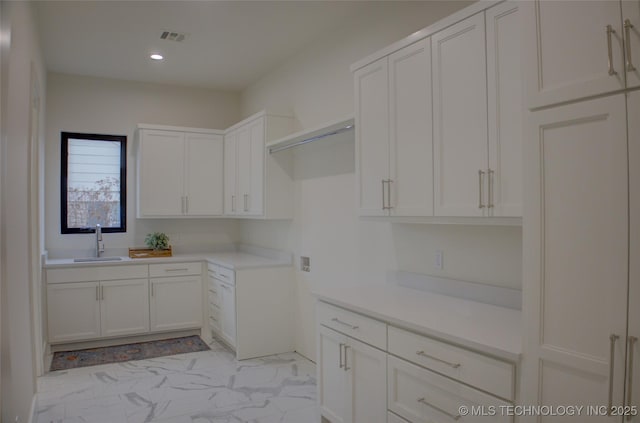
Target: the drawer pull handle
pixel 335 319
pixel 340 351
pixel 176 270
pixel 345 358
pixel 423 401
pixel 224 276
pixel 448 363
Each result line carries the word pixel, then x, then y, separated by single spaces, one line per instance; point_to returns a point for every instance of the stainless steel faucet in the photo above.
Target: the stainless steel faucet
pixel 99 243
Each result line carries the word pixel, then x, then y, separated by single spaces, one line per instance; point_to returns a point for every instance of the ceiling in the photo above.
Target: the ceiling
pixel 229 44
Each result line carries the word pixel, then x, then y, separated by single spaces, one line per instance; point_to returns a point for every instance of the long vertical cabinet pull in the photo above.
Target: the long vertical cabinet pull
pixel 233 203
pixel 186 205
pixel 627 41
pixel 345 358
pixel 384 203
pixel 246 200
pixel 610 31
pixel 632 340
pixel 612 339
pixel 389 181
pixel 491 179
pixel 340 352
pixel 480 189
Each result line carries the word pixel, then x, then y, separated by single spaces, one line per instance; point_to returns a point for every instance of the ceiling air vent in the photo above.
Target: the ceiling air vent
pixel 173 36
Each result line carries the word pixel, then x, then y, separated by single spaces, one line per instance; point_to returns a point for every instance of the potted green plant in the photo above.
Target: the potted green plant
pixel 157 241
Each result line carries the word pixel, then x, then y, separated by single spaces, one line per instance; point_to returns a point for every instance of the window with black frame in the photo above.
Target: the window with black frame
pixel 93 183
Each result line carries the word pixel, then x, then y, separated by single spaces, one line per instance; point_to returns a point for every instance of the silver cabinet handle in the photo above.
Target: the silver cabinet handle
pixel 610 31
pixel 186 204
pixel 335 319
pixel 389 182
pixel 182 204
pixel 97 293
pixel 384 204
pixel 246 208
pixel 233 203
pixel 480 188
pixel 632 340
pixel 228 288
pixel 448 363
pixel 102 293
pixel 612 339
pixel 181 269
pixel 340 352
pixel 490 201
pixel 445 412
pixel 345 358
pixel 627 41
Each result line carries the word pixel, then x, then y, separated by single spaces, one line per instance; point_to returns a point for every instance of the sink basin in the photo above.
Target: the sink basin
pixel 91 259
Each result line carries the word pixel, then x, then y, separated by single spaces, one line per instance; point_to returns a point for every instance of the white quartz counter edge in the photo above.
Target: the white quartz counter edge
pixel 482 327
pixel 231 260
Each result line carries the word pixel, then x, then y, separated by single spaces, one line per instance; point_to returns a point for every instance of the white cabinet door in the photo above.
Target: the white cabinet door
pixel 73 311
pixel 576 254
pixel 567 50
pixel 504 90
pixel 176 303
pixel 230 173
pixel 460 117
pixel 160 173
pixel 366 368
pixel 227 297
pixel 332 378
pixel 631 12
pixel 372 137
pixel 256 178
pixel 411 137
pixel 243 161
pixel 204 174
pixel 124 307
pixel 633 386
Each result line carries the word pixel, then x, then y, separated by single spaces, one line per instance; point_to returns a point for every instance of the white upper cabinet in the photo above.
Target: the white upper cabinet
pixel 203 174
pixel 460 118
pixel 393 134
pixel 576 49
pixel 372 137
pixel 160 173
pixel 410 186
pixel 506 108
pixel 180 173
pixel 258 184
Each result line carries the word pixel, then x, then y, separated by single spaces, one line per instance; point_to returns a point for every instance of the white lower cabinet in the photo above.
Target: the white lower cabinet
pixel 352 379
pixel 406 377
pixel 176 303
pixel 73 311
pixel 124 307
pixel 422 396
pixel 228 312
pixel 87 310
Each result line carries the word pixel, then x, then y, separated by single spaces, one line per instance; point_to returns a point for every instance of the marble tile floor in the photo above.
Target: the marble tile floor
pixel 201 387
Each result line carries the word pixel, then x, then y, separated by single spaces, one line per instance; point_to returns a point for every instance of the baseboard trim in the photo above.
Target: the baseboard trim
pixel 70 346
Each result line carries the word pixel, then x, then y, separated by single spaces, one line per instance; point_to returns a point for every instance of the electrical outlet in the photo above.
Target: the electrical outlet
pixel 439 262
pixel 305 264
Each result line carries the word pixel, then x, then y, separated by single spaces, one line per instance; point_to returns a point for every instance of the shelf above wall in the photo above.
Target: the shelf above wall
pixel 310 135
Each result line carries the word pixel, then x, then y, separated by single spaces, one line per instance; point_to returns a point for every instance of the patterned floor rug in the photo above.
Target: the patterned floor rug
pixel 64 360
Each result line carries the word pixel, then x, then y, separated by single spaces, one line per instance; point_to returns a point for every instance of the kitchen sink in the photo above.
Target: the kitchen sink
pixel 91 259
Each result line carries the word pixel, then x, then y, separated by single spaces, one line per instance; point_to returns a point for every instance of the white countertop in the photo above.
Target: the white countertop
pixel 483 327
pixel 231 259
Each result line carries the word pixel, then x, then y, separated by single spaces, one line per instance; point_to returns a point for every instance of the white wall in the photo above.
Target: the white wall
pixel 316 86
pixel 20 56
pixel 99 105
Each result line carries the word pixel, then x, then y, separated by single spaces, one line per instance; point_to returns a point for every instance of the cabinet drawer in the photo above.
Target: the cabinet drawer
pixel 422 396
pixel 486 373
pixel 97 273
pixel 222 273
pixel 213 297
pixel 355 325
pixel 175 269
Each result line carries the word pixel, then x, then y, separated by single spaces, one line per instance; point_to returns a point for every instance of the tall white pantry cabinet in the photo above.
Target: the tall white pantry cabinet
pixel 581 268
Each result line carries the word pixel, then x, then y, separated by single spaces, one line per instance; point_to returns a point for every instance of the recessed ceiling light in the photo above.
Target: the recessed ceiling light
pixel 156 57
